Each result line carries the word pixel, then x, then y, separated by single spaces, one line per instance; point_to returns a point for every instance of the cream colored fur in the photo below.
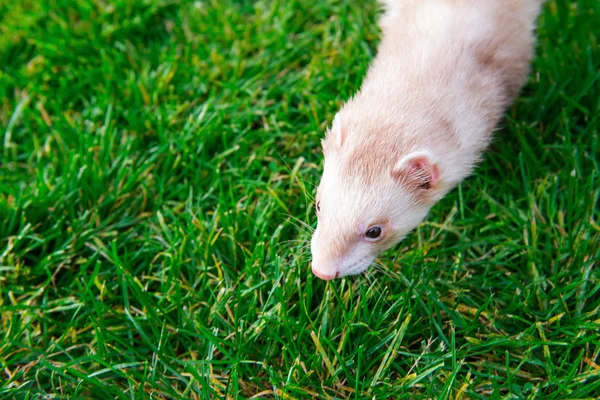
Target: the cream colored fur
pixel 444 74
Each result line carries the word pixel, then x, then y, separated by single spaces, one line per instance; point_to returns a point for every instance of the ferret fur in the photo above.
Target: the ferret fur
pixel 444 74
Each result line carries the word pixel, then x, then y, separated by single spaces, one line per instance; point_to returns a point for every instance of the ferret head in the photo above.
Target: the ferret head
pixel 370 196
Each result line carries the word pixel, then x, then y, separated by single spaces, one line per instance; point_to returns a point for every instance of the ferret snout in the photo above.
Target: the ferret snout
pixel 324 265
pixel 337 258
pixel 347 266
pixel 326 268
pixel 325 277
pixel 321 268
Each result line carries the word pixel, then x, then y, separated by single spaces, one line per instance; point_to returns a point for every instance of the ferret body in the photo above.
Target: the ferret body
pixel 444 73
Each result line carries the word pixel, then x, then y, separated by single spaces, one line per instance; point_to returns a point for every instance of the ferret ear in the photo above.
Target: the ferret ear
pixel 418 170
pixel 338 131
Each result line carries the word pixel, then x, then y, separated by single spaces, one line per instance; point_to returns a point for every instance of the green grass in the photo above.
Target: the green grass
pixel 158 166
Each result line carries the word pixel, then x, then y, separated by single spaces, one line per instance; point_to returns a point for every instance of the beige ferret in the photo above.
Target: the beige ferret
pixel 444 74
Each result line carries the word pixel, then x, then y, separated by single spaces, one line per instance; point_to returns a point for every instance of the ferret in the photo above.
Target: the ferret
pixel 444 74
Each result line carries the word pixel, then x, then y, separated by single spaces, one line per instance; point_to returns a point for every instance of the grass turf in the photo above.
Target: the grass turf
pixel 158 165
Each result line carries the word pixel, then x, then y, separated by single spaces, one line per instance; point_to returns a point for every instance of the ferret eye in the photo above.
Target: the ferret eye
pixel 373 233
pixel 318 206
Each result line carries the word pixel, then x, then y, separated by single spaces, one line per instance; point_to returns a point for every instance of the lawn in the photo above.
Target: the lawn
pixel 159 161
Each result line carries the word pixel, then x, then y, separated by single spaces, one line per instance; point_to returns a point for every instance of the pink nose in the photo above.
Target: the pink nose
pixel 323 276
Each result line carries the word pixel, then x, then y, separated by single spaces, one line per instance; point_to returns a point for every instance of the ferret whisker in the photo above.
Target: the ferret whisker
pixel 300 224
pixel 381 267
pixel 303 241
pixel 369 279
pixel 374 284
pixel 303 254
pixel 302 182
pixel 378 286
pixel 368 275
pixel 387 273
pixel 300 247
pixel 378 269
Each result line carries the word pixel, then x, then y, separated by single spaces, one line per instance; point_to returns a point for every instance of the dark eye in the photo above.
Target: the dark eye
pixel 318 206
pixel 373 233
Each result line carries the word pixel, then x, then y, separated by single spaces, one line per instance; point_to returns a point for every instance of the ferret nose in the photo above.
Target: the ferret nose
pixel 325 277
